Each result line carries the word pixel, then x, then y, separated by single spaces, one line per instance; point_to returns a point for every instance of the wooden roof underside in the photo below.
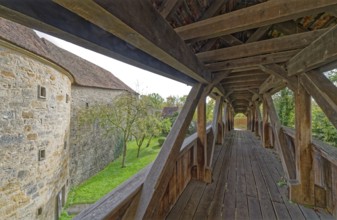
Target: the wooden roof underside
pixel 251 45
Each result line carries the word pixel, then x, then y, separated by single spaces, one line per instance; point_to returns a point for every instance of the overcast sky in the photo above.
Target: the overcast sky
pixel 142 81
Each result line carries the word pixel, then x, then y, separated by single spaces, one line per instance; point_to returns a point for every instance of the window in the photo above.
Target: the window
pixel 42 92
pixel 42 155
pixel 67 98
pixel 39 211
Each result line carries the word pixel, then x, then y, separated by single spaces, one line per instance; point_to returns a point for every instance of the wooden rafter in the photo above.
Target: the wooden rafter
pixel 320 52
pixel 292 42
pixel 281 73
pixel 266 13
pixel 121 18
pixel 279 57
pixel 55 20
pixel 168 6
pixel 260 32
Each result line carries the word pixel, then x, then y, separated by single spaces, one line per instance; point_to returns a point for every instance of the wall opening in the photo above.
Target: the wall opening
pixel 42 154
pixel 240 122
pixel 42 92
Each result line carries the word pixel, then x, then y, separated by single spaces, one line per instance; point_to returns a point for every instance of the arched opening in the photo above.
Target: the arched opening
pixel 240 122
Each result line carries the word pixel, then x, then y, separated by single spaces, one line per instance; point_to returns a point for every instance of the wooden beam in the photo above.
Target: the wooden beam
pixel 288 162
pixel 207 46
pixel 159 176
pixel 231 40
pixel 270 83
pixel 263 14
pixel 258 119
pixel 279 57
pixel 216 113
pixel 320 52
pixel 202 140
pixel 285 43
pixel 288 27
pixel 251 75
pixel 213 9
pixel 303 192
pixel 258 34
pixel 57 21
pixel 265 127
pixel 168 6
pixel 245 69
pixel 121 18
pixel 323 91
pixel 244 81
pixel 281 73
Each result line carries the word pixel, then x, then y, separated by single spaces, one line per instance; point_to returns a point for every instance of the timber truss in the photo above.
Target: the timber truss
pixel 239 52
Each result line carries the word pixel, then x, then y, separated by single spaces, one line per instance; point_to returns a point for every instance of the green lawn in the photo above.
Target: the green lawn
pixel 113 175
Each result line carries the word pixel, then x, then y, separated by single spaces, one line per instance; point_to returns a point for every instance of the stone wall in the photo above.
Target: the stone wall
pixel 91 148
pixel 34 123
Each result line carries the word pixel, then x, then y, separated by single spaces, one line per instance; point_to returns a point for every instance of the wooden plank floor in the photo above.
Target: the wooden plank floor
pixel 246 185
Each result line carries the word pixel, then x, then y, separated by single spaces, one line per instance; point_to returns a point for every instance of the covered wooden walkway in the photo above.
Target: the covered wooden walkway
pixel 248 183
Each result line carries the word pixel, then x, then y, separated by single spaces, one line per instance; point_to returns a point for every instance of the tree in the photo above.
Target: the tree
pixel 209 110
pixel 147 124
pixel 119 117
pixel 156 100
pixel 285 107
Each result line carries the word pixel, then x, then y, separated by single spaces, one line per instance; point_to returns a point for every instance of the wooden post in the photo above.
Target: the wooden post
pixel 248 120
pixel 253 118
pixel 258 119
pixel 202 139
pixel 225 118
pixel 157 180
pixel 265 128
pixel 220 125
pixel 303 192
pixel 324 93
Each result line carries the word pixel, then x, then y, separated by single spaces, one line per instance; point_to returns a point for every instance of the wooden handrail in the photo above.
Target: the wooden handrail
pixel 117 201
pixel 327 151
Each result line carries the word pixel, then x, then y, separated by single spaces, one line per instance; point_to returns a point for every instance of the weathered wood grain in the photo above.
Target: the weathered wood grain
pixel 321 51
pixel 285 43
pixel 263 14
pixel 304 192
pixel 121 18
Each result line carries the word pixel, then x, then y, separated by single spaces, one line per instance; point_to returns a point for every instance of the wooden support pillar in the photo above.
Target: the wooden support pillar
pixel 225 118
pixel 323 91
pixel 303 192
pixel 265 127
pixel 248 120
pixel 257 120
pixel 253 118
pixel 202 140
pixel 220 135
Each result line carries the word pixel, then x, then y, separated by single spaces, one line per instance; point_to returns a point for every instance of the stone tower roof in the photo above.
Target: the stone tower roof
pixel 84 72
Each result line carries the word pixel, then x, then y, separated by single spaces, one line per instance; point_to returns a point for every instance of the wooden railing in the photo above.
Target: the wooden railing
pixel 115 205
pixel 325 171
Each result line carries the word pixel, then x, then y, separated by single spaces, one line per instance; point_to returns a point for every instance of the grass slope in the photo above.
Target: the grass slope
pixel 113 175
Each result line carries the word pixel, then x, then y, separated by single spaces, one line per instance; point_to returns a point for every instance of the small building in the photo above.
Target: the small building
pixel 169 111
